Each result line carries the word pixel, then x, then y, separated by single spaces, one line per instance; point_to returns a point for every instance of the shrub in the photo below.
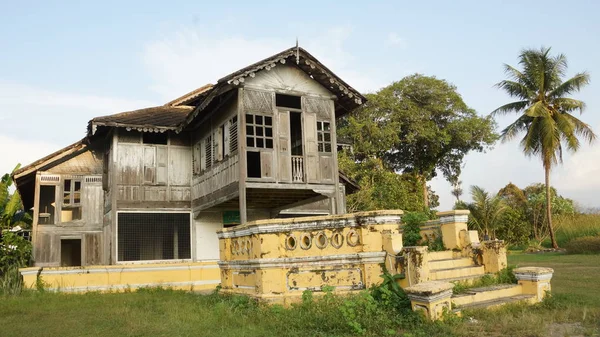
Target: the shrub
pixel 411 233
pixel 584 245
pixel 14 251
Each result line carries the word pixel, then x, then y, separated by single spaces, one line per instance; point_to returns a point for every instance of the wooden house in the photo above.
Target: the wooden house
pixel 155 184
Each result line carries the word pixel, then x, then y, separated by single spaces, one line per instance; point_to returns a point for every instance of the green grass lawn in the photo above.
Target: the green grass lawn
pixel 576 288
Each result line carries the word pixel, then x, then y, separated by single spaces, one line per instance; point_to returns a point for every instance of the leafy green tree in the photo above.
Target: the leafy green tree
pixel 418 125
pixel 380 187
pixel 486 211
pixel 545 111
pixel 11 207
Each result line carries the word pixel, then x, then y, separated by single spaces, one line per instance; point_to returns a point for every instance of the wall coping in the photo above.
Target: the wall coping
pixel 533 273
pixel 454 212
pixel 272 226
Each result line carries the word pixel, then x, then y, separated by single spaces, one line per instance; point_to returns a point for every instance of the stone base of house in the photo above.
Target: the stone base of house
pixel 187 276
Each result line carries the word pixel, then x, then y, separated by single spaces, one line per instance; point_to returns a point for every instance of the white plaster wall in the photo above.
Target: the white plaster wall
pixel 206 241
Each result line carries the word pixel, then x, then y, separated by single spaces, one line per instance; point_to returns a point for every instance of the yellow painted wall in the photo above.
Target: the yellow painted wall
pixel 188 276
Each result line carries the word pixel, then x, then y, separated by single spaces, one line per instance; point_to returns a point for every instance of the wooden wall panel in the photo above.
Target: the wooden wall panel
pixel 180 166
pixel 93 248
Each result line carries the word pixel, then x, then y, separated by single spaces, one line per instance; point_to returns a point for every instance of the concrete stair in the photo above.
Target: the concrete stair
pixel 449 266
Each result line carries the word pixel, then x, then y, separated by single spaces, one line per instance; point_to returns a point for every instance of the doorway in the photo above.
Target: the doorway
pixel 70 252
pixel 296 133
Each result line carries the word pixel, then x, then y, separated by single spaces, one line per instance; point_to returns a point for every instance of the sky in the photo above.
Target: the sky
pixel 65 62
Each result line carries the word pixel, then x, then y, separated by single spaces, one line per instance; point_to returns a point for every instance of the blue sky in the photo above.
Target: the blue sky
pixel 63 63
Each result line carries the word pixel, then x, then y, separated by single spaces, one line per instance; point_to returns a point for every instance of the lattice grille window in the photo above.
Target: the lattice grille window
pixel 153 236
pixel 324 136
pixel 259 131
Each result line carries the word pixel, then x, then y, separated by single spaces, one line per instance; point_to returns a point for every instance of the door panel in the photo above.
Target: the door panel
pixel 310 148
pixel 285 157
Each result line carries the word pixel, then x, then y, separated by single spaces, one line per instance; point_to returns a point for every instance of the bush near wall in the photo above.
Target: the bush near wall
pixel 584 245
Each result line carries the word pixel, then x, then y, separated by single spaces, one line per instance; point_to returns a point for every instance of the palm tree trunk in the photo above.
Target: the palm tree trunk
pixel 549 207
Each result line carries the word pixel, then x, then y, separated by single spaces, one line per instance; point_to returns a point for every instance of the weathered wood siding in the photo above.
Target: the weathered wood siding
pixel 85 168
pixel 215 183
pixel 317 106
pixel 151 174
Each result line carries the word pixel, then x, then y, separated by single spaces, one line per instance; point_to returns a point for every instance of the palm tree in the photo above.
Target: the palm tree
pixel 545 113
pixel 486 210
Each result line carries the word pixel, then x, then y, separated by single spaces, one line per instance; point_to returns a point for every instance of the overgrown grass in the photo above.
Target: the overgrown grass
pixel 569 227
pixel 163 312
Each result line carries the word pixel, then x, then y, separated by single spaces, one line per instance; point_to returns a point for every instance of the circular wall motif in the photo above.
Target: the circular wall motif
pixel 305 241
pixel 290 242
pixel 321 240
pixel 352 238
pixel 337 240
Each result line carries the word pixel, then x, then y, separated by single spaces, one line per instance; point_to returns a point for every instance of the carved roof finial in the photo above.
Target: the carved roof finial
pixel 297 52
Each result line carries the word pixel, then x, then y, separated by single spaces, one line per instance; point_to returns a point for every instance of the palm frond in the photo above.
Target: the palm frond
pixel 538 109
pixel 564 104
pixel 520 125
pixel 574 84
pixel 581 129
pixel 515 89
pixel 510 107
pixel 567 131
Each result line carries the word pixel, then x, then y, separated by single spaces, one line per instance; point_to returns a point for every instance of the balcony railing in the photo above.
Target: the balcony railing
pixel 298 169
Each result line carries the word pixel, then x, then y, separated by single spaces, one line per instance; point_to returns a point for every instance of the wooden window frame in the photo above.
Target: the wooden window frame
pixel 264 138
pixel 322 132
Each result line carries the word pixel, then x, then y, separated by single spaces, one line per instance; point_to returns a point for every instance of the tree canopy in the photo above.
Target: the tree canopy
pixel 417 126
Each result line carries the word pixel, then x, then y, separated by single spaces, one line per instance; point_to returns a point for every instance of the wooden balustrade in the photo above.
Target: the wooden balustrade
pixel 297 169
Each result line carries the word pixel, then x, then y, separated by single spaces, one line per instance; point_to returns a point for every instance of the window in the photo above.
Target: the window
pixel 153 236
pixel 259 131
pixel 287 101
pixel 324 136
pixel 71 205
pixel 47 205
pixel 155 138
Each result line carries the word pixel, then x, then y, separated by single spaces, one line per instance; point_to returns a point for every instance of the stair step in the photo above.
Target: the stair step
pixel 496 302
pixel 456 272
pixel 450 263
pixel 464 279
pixel 475 295
pixel 444 254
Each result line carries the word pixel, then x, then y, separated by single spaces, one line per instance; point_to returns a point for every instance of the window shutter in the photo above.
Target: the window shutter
pixel 149 164
pixel 208 148
pixel 162 159
pixel 226 146
pixel 203 155
pixel 197 161
pixel 233 135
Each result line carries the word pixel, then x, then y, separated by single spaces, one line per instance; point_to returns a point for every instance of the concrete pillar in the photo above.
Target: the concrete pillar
pixel 493 255
pixel 432 298
pixel 416 265
pixel 451 225
pixel 534 280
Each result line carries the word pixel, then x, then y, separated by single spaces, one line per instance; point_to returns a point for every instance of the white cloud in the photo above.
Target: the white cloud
pixel 393 39
pixel 14 151
pixel 189 58
pixel 39 121
pixel 15 94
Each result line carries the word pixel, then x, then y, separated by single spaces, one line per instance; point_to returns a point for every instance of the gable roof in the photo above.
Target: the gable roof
pixel 348 98
pixel 154 119
pixel 190 96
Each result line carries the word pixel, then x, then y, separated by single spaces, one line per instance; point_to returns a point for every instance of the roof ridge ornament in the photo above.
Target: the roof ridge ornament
pixel 297 52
